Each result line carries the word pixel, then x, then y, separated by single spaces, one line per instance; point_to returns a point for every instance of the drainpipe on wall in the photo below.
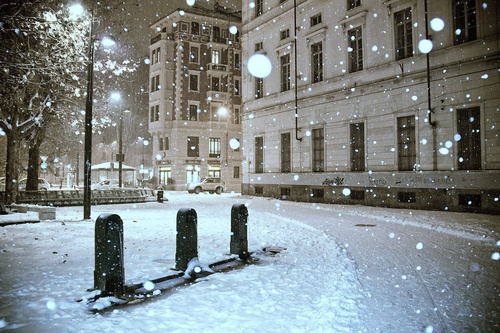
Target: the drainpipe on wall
pixel 429 104
pixel 295 69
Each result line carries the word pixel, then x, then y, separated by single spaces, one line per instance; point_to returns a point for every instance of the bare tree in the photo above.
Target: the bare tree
pixel 41 49
pixel 43 56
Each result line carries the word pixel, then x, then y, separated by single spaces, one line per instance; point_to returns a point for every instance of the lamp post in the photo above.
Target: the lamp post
pixel 120 152
pixel 120 157
pixel 144 144
pixel 223 114
pixel 77 10
pixel 88 126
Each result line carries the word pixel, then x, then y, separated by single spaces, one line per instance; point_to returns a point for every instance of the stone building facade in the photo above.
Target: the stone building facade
pixel 195 97
pixel 357 111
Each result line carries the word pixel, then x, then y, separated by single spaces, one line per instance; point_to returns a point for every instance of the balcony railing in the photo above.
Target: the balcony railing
pixel 217 67
pixel 218 95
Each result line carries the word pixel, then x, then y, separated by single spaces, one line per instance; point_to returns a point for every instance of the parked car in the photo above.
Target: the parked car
pixel 209 184
pixel 43 185
pixel 105 184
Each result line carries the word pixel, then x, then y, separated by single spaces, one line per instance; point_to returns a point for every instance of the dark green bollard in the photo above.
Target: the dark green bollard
pixel 239 239
pixel 187 238
pixel 109 274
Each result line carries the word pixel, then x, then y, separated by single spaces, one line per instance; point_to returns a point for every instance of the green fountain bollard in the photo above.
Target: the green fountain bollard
pixel 187 238
pixel 109 273
pixel 239 239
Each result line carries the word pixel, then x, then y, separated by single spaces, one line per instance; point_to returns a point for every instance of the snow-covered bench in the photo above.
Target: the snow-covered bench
pixel 44 212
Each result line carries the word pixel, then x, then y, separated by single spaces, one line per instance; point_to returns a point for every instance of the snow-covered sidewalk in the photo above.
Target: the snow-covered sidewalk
pixel 363 284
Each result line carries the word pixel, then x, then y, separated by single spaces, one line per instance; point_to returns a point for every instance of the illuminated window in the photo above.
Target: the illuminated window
pixel 214 147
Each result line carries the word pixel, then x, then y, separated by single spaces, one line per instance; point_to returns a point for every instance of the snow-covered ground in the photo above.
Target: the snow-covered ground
pixel 345 269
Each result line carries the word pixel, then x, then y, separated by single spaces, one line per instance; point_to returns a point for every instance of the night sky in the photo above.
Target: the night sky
pixel 129 21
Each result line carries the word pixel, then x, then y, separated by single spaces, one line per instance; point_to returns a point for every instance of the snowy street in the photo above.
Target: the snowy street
pixel 417 268
pixel 345 269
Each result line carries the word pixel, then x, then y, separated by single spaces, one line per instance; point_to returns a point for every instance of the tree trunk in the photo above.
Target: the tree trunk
pixel 33 165
pixel 34 159
pixel 12 169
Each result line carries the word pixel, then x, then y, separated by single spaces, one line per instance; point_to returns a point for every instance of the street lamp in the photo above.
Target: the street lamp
pixel 77 10
pixel 145 143
pixel 87 155
pixel 120 157
pixel 223 113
